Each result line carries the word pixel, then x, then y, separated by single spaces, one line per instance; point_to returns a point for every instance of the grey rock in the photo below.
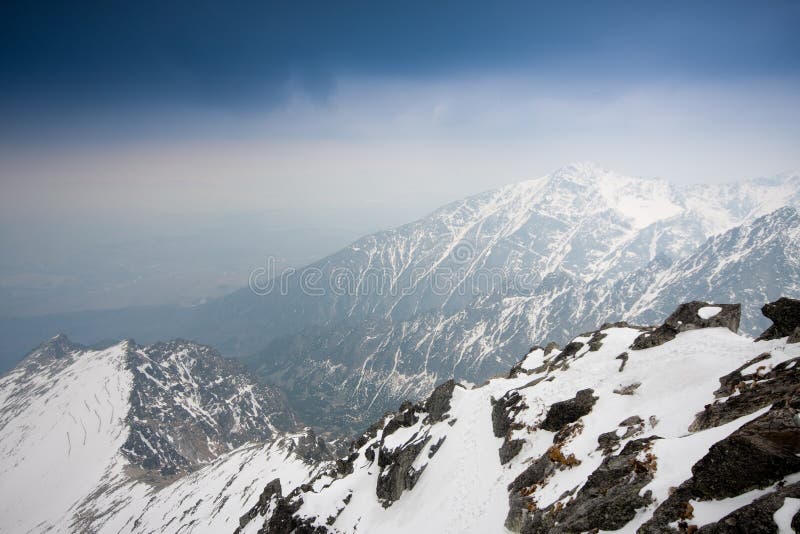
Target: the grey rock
pixel 510 449
pixel 565 412
pixel 628 389
pixel 607 501
pixel 760 453
pixel 685 318
pixel 756 517
pixel 396 474
pixel 785 316
pixel 753 391
pixel 757 455
pixel 503 412
pixel 438 404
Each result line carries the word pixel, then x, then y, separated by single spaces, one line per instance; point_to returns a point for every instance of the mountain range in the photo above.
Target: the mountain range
pixel 87 434
pixel 461 292
pixel 684 427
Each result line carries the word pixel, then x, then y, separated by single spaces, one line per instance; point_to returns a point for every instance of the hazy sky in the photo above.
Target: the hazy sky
pixel 351 116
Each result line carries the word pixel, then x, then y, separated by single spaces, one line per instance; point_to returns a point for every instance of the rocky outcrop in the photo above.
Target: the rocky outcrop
pixel 690 316
pixel 758 516
pixel 519 502
pixel 438 404
pixel 785 316
pixel 608 442
pixel 565 412
pixel 271 493
pixel 396 474
pixel 607 501
pixel 741 394
pixel 503 412
pixel 759 454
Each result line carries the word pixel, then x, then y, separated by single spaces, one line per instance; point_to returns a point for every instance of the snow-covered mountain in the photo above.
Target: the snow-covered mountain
pixel 123 435
pixel 461 292
pixel 627 429
pixel 688 427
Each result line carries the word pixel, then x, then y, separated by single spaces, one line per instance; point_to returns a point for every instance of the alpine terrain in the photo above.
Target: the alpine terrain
pixel 687 427
pixel 463 291
pixel 684 427
pixel 140 439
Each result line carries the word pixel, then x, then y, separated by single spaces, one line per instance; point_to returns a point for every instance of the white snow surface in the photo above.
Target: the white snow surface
pixel 783 517
pixel 208 501
pixel 464 488
pixel 707 312
pixel 62 424
pixel 60 431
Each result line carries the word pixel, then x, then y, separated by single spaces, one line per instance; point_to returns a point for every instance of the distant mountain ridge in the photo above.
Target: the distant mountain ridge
pixel 568 255
pixel 465 289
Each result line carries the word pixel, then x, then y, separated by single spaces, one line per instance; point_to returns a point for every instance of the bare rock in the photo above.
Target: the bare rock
pixel 438 404
pixel 785 316
pixel 741 395
pixel 607 501
pixel 686 317
pixel 565 412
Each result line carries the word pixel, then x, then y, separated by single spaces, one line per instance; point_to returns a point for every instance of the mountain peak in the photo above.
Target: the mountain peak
pixel 580 171
pixel 58 346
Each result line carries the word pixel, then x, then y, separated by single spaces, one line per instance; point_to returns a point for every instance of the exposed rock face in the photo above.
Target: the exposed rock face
pixel 438 404
pixel 608 442
pixel 687 317
pixel 503 411
pixel 519 504
pixel 176 386
pixel 758 455
pixel 765 450
pixel 608 500
pixel 757 517
pixel 397 475
pixel 741 394
pixel 568 411
pixel 272 492
pixel 785 316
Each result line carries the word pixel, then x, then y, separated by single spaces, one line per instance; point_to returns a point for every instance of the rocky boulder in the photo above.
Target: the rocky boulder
pixel 438 404
pixel 565 412
pixel 757 455
pixel 691 316
pixel 785 316
pixel 607 501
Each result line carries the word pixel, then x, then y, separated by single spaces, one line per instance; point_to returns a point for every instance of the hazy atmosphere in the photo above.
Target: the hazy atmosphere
pixel 187 141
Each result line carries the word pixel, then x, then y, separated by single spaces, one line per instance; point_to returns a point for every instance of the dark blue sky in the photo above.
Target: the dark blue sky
pixel 62 56
pixel 238 105
pixel 333 119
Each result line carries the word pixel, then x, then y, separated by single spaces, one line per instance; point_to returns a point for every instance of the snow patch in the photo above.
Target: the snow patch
pixel 707 312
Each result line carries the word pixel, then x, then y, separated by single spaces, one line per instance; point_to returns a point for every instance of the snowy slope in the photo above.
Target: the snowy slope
pixel 363 368
pixel 209 500
pixel 62 423
pixel 121 439
pixel 595 437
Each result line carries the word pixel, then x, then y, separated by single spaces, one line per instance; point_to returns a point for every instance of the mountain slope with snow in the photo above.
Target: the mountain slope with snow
pixel 465 289
pixel 361 369
pixel 91 438
pixel 626 429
